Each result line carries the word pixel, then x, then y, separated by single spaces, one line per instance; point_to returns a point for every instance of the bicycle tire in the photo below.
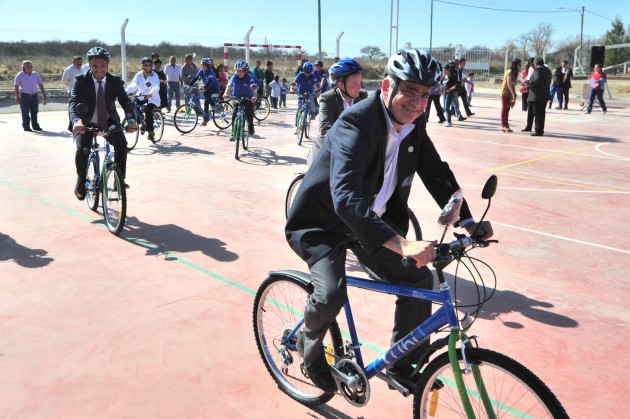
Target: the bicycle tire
pixel 92 184
pixel 278 307
pixel 236 131
pixel 185 119
pixel 300 126
pixel 307 125
pixel 158 126
pixel 293 187
pixel 114 199
pixel 261 111
pixel 132 138
pixel 512 388
pixel 222 115
pixel 245 136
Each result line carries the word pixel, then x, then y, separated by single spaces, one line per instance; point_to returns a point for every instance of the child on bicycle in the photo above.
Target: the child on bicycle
pixel 210 87
pixel 244 85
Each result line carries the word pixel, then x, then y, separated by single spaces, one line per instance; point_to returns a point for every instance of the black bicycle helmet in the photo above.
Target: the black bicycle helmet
pixel 147 60
pixel 98 52
pixel 319 62
pixel 415 66
pixel 343 68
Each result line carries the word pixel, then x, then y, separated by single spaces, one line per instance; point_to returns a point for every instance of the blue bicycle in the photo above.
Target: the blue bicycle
pixel 105 178
pixel 187 115
pixel 464 381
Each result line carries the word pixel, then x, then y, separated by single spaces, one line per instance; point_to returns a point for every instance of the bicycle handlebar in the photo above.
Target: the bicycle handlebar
pixel 449 251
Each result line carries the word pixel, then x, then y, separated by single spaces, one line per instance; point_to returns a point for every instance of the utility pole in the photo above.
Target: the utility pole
pixel 319 28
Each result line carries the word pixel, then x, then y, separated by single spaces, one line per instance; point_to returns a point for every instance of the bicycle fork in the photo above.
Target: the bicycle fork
pixel 468 368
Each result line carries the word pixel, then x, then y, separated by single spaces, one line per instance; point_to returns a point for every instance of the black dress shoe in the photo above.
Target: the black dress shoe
pixel 461 118
pixel 319 373
pixel 536 134
pixel 526 130
pixel 79 190
pixel 28 129
pixel 38 129
pixel 470 114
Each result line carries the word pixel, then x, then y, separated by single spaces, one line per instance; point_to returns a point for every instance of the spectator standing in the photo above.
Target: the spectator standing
pixel 174 81
pixel 26 83
pixel 508 93
pixel 157 67
pixel 462 75
pixel 566 85
pixel 470 88
pixel 259 73
pixel 525 75
pixel 597 82
pixel 269 77
pixel 451 83
pixel 299 69
pixel 223 78
pixel 189 71
pixel 556 87
pixel 539 92
pixel 284 89
pixel 435 96
pixel 274 88
pixel 72 70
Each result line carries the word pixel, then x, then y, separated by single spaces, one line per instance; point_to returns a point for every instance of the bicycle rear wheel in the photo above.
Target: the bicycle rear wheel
pixel 114 199
pixel 185 119
pixel 222 114
pixel 91 183
pixel 514 391
pixel 133 137
pixel 158 125
pixel 278 307
pixel 261 111
pixel 293 187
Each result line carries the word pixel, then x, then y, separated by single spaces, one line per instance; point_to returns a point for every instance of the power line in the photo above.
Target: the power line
pixel 503 10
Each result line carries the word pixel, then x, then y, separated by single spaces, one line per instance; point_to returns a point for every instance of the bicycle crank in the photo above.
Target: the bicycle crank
pixel 352 382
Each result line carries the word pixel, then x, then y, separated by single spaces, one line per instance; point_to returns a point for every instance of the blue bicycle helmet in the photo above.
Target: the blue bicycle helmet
pixel 241 65
pixel 308 67
pixel 343 68
pixel 98 52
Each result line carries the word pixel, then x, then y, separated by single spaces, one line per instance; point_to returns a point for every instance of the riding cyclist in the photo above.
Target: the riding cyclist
pixel 244 85
pixel 210 86
pixel 86 90
pixel 306 83
pixel 147 83
pixel 346 75
pixel 356 191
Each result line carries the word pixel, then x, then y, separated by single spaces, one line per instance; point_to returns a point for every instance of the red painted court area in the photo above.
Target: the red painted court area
pixel 157 323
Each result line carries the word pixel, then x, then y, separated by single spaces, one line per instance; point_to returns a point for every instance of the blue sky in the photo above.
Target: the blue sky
pixel 294 22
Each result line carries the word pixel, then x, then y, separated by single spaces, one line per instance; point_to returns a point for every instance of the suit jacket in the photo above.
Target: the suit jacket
pixel 330 107
pixel 84 91
pixel 539 85
pixel 568 76
pixel 333 202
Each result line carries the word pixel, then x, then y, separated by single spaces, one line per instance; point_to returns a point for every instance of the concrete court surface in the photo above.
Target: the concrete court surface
pixel 158 322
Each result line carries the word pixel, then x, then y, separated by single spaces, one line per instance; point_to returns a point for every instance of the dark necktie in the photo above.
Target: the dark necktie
pixel 101 108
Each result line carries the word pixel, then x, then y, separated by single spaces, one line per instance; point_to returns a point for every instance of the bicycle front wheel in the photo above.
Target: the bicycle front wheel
pixel 293 188
pixel 262 110
pixel 222 115
pixel 132 138
pixel 158 125
pixel 278 308
pixel 236 132
pixel 185 119
pixel 514 391
pixel 300 126
pixel 245 136
pixel 92 183
pixel 114 199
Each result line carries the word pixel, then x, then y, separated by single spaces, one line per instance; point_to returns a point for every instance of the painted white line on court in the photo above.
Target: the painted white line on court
pixel 555 236
pixel 598 147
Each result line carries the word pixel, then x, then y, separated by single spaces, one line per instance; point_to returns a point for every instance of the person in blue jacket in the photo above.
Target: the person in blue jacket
pixel 210 86
pixel 244 84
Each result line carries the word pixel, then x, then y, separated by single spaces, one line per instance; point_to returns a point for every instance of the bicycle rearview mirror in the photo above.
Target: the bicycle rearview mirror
pixel 489 188
pixel 82 108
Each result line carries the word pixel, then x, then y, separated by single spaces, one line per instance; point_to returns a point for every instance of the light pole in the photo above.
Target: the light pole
pixel 581 30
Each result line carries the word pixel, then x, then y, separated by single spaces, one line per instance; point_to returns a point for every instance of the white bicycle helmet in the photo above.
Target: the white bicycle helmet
pixel 415 66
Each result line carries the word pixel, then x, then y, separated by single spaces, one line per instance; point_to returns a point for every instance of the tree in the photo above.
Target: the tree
pixel 617 35
pixel 539 40
pixel 372 52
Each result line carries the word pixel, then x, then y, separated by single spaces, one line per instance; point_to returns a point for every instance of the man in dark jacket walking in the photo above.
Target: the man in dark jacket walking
pixel 539 94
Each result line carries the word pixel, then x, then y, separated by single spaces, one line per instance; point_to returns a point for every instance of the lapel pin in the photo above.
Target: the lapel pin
pixel 410 149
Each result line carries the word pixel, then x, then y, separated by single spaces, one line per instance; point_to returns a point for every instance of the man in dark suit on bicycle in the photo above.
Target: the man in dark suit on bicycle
pixel 99 90
pixel 355 194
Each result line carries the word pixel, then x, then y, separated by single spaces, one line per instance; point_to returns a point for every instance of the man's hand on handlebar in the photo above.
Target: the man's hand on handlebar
pixel 483 229
pixel 423 252
pixel 78 127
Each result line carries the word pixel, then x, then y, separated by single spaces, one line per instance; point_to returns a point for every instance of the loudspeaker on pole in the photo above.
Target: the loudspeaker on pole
pixel 597 56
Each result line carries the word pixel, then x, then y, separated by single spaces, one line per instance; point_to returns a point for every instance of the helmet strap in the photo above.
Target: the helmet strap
pixel 344 90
